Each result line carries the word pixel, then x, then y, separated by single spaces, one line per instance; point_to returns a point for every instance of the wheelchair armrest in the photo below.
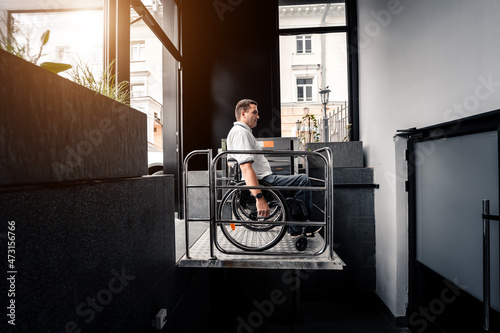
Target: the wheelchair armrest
pixel 234 169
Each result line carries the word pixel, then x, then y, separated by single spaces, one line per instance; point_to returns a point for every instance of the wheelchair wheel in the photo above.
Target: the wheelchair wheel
pixel 239 205
pixel 301 243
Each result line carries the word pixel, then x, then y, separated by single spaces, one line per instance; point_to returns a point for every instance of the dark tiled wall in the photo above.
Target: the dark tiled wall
pixel 354 232
pixel 52 129
pixel 94 249
pixel 97 256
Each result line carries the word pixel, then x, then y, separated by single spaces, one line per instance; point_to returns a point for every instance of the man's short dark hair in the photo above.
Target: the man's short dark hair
pixel 243 105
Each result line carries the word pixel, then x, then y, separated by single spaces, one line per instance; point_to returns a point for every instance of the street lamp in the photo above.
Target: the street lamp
pixel 298 124
pixel 324 94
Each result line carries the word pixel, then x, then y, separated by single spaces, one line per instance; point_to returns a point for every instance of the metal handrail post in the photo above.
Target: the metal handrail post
pixel 328 198
pixel 186 224
pixel 186 201
pixel 213 202
pixel 331 202
pixel 486 265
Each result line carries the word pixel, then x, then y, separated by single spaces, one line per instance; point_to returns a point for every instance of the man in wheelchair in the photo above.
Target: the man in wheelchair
pixel 255 168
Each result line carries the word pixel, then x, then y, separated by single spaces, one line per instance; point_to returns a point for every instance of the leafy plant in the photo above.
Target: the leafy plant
pixel 312 134
pixel 9 43
pixel 348 130
pixel 103 82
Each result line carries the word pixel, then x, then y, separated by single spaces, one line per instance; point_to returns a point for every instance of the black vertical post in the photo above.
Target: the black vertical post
pixel 486 265
pixel 109 32
pixel 122 32
pixel 352 49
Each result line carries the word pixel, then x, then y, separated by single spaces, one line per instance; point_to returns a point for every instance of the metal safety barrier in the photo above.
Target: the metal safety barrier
pixel 219 183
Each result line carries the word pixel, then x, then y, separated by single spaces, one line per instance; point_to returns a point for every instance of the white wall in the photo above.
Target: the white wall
pixel 420 63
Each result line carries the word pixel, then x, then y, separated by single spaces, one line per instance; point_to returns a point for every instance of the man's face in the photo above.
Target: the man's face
pixel 250 118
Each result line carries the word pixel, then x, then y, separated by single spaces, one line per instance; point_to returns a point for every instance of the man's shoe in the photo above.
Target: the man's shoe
pixel 294 233
pixel 310 231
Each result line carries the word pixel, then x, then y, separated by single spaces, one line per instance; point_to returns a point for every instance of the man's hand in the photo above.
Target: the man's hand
pixel 262 207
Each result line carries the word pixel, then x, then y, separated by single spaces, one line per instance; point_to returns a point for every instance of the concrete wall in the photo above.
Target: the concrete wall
pixel 421 63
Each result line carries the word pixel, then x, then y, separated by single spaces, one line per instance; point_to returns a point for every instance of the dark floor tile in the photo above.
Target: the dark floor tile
pixel 359 313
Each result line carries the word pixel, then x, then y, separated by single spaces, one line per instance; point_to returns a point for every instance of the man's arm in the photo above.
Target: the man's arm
pixel 251 180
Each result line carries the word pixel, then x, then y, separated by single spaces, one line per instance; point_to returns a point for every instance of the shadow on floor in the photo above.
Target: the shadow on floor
pixel 361 313
pixel 355 313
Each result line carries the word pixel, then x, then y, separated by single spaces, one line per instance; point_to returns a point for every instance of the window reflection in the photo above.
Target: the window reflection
pixel 76 37
pixel 146 68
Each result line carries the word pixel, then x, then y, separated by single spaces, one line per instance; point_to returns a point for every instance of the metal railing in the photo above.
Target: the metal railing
pixel 218 183
pixel 338 124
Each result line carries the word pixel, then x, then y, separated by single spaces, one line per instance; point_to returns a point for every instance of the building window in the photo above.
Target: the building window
pixel 62 53
pixel 138 51
pixel 304 89
pixel 138 90
pixel 304 44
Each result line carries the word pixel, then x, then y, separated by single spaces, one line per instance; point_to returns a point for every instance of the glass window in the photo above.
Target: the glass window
pixel 138 51
pixel 303 74
pixel 304 44
pixel 146 70
pixel 138 90
pixel 304 89
pixel 169 24
pixel 312 15
pixel 63 53
pixel 76 36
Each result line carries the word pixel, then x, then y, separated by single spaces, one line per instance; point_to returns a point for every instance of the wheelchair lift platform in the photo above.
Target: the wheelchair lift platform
pixel 237 238
pixel 199 256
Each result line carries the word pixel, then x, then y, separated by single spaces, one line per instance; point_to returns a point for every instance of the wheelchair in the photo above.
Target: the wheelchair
pixel 249 232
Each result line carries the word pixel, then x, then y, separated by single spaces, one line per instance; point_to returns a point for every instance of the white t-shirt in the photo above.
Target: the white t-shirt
pixel 240 137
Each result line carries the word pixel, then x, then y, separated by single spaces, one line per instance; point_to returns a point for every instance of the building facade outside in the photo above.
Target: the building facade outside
pixel 310 62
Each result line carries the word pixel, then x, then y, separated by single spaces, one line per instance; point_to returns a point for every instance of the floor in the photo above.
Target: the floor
pixel 196 229
pixel 361 313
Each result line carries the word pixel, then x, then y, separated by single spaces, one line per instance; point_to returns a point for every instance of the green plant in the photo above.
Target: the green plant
pixel 312 134
pixel 9 43
pixel 348 130
pixel 103 82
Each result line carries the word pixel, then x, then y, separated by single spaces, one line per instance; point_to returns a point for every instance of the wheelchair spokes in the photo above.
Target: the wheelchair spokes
pixel 239 205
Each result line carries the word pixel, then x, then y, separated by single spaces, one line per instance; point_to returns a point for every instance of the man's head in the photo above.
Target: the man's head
pixel 246 112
